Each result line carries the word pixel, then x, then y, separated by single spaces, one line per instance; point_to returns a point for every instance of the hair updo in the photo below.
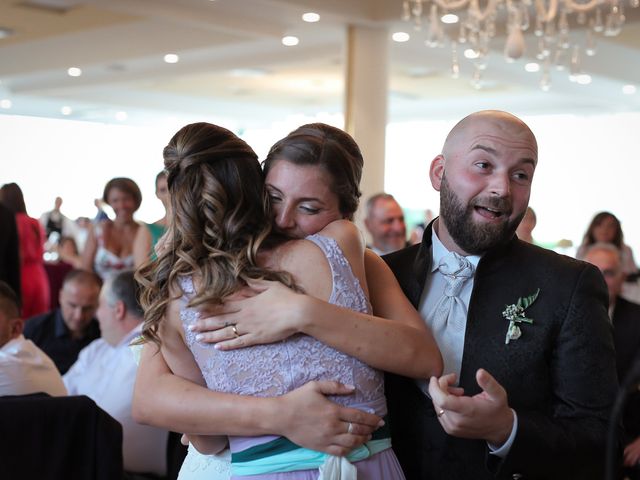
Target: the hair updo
pixel 219 219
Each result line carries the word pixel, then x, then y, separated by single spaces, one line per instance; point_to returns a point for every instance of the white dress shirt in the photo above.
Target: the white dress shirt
pixel 433 290
pixel 106 374
pixel 25 369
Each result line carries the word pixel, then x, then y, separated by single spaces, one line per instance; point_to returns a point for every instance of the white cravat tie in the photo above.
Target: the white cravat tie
pixel 450 313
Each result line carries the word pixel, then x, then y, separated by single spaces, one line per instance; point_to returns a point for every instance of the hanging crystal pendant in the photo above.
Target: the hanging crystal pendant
pixel 590 47
pixel 455 64
pixel 545 80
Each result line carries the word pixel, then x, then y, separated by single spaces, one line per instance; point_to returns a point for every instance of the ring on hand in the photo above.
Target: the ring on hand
pixel 235 330
pixel 440 413
pixel 350 428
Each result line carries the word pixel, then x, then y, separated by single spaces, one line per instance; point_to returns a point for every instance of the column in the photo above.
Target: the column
pixel 366 90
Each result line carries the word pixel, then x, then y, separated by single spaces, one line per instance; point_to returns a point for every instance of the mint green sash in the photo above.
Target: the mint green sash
pixel 282 455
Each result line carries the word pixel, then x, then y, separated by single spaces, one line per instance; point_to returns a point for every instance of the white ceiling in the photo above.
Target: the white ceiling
pixel 234 66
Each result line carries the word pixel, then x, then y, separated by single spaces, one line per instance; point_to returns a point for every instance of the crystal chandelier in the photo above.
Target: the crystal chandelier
pixel 550 20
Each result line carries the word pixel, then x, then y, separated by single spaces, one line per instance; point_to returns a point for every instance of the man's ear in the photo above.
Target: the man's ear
pixel 17 325
pixel 121 310
pixel 436 172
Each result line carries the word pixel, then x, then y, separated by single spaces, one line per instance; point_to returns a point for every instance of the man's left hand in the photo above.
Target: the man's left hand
pixel 485 416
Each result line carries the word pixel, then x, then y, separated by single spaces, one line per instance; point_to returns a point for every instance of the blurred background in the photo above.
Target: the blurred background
pixel 94 89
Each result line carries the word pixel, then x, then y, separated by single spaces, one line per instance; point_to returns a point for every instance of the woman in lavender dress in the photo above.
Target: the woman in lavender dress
pixel 328 266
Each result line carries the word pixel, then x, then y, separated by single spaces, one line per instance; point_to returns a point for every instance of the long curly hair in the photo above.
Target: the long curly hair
pixel 220 218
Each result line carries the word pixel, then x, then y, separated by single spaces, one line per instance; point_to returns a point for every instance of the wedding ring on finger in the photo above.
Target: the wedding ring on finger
pixel 235 330
pixel 440 413
pixel 350 428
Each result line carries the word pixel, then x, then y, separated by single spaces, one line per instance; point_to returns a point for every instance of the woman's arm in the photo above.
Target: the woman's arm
pixel 181 361
pixel 141 245
pixel 398 343
pixel 89 251
pixel 305 416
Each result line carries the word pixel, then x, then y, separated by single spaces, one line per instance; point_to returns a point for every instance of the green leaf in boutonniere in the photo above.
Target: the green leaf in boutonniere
pixel 515 313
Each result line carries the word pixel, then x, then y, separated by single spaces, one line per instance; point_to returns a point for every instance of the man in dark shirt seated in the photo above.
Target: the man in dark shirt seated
pixel 63 332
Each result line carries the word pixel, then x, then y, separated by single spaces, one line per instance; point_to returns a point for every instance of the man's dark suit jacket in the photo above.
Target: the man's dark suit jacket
pixel 9 250
pixel 626 337
pixel 559 375
pixel 49 332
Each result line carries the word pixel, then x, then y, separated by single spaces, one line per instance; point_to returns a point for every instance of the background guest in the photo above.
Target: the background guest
pixel 24 368
pixel 63 332
pixel 105 371
pixel 606 228
pixel 9 250
pixel 55 221
pixel 625 316
pixel 418 230
pixel 63 258
pixel 34 282
pixel 385 223
pixel 148 236
pixel 526 226
pixel 109 247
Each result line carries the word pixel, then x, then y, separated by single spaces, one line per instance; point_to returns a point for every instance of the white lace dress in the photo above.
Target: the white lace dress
pixel 197 466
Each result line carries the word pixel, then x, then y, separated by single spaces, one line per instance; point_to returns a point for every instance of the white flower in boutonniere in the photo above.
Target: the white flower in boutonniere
pixel 515 313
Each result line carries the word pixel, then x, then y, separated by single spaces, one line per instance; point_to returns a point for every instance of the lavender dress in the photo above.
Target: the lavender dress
pixel 275 369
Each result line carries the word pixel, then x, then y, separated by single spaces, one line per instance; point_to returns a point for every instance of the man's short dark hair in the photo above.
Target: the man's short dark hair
pixel 8 301
pixel 124 288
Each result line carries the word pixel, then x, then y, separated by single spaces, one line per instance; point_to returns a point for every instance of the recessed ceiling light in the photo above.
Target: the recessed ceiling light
pixel 121 116
pixel 310 17
pixel 400 37
pixel 5 103
pixel 471 53
pixel 74 72
pixel 5 32
pixel 629 89
pixel 449 18
pixel 290 41
pixel 66 110
pixel 171 58
pixel 532 67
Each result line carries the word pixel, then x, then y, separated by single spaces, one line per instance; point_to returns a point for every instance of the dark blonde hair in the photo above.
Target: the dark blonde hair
pixel 220 218
pixel 330 148
pixel 589 237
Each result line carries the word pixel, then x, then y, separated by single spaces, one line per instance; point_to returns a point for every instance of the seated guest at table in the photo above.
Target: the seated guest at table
pixel 625 317
pixel 63 332
pixel 106 371
pixel 606 228
pixel 24 368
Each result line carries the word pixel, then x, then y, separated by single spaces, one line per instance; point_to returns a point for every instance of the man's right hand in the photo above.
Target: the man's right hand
pixel 310 420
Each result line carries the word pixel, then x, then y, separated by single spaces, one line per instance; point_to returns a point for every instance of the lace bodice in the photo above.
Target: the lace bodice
pixel 275 369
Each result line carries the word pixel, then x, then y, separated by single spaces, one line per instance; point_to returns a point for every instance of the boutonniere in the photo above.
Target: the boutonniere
pixel 515 313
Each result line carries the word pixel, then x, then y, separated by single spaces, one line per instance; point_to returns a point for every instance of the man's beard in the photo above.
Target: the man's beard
pixel 470 236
